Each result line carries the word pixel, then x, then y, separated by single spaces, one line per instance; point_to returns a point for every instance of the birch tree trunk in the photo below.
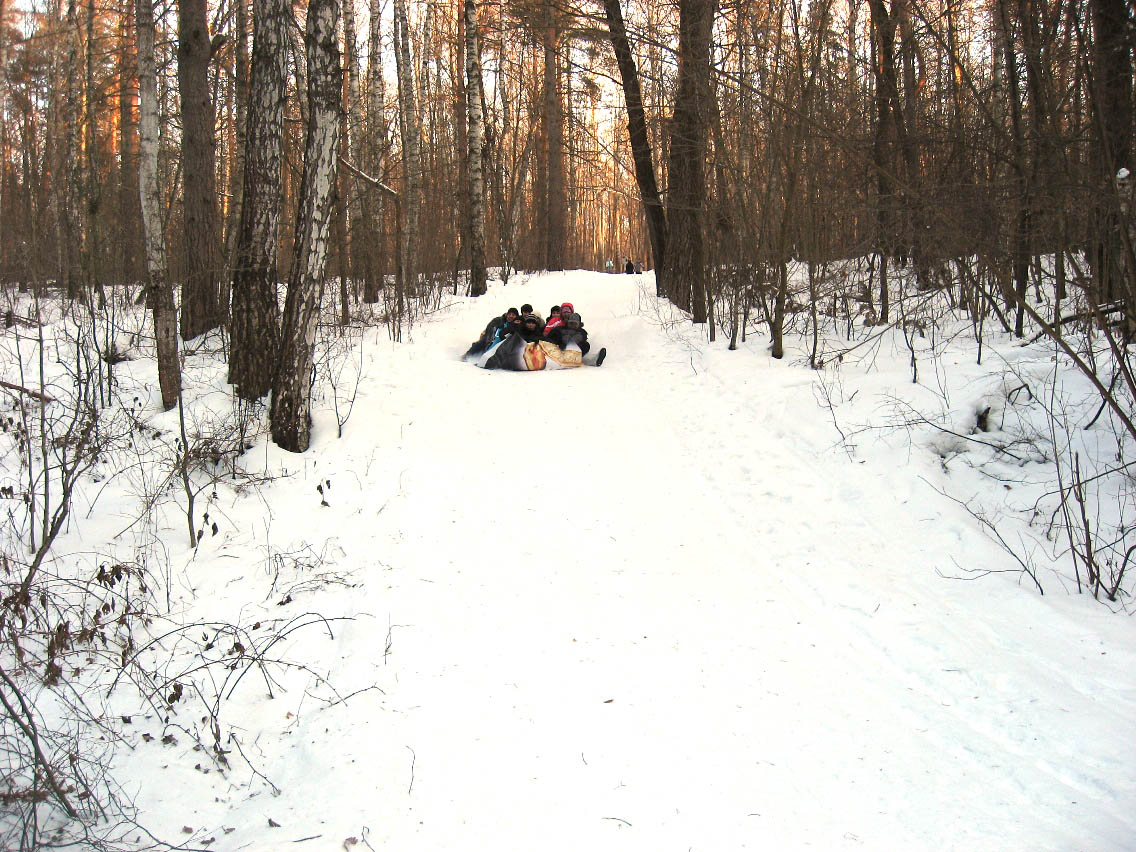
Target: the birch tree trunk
pixel 475 121
pixel 411 146
pixel 290 417
pixel 160 297
pixel 376 146
pixel 347 218
pixel 252 358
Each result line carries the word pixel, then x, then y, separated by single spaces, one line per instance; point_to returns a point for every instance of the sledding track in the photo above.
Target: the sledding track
pixel 650 607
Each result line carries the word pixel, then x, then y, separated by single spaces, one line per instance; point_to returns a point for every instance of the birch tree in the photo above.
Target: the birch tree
pixel 475 121
pixel 160 295
pixel 253 327
pixel 290 418
pixel 410 125
pixel 374 153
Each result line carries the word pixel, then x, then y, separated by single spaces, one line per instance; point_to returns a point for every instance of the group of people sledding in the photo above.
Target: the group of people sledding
pixel 523 340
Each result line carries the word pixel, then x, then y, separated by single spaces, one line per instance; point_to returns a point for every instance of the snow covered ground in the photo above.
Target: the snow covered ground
pixel 658 605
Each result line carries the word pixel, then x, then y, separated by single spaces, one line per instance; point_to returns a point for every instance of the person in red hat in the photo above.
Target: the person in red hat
pixel 558 318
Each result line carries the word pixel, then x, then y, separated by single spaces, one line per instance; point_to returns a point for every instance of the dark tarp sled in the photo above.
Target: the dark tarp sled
pixel 514 353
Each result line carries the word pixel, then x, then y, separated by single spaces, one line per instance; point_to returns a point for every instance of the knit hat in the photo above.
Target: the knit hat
pixel 566 308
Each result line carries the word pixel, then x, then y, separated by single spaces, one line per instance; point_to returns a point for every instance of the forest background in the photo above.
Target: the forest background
pixel 264 176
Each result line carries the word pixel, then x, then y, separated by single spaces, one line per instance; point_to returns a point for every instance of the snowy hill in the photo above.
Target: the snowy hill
pixel 659 605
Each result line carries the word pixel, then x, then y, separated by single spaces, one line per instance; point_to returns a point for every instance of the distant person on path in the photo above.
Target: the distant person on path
pixel 609 266
pixel 638 267
pixel 629 267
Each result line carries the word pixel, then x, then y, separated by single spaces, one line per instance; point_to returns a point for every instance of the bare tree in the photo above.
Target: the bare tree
pixel 201 241
pixel 255 309
pixel 159 292
pixel 475 120
pixel 290 418
pixel 641 152
pixel 1112 100
pixel 411 131
pixel 685 270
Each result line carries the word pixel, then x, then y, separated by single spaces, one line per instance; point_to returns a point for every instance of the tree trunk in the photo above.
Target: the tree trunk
pixel 686 266
pixel 160 295
pixel 201 237
pixel 1019 241
pixel 290 417
pixel 375 149
pixel 411 147
pixel 556 199
pixel 883 143
pixel 237 173
pixel 475 130
pixel 253 329
pixel 1112 99
pixel 640 142
pixel 70 251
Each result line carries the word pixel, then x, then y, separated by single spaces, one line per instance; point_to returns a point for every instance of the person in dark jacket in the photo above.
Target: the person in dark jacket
pixel 497 330
pixel 532 328
pixel 571 331
pixel 629 267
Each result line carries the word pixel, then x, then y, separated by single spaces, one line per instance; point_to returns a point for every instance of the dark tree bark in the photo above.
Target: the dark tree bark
pixel 883 143
pixel 1019 245
pixel 198 146
pixel 236 176
pixel 1112 97
pixel 290 418
pixel 253 327
pixel 686 266
pixel 641 151
pixel 557 199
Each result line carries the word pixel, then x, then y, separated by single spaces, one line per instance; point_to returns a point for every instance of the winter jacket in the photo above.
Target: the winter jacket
pixel 530 335
pixel 498 329
pixel 558 319
pixel 562 335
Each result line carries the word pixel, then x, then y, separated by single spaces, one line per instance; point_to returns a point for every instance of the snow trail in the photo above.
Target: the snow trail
pixel 649 607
